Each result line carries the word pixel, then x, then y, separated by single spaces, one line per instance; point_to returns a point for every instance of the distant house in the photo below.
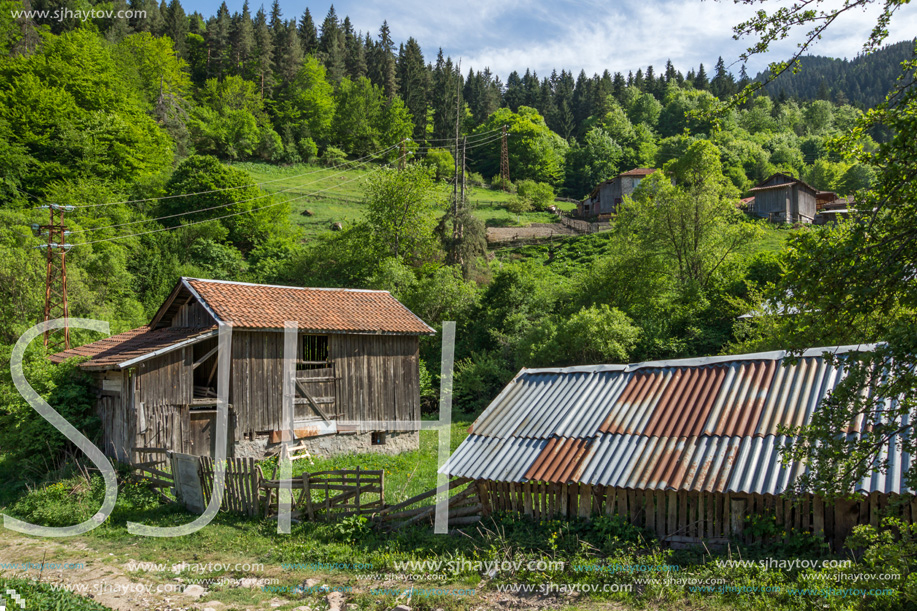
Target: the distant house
pixel 605 198
pixel 357 369
pixel 782 198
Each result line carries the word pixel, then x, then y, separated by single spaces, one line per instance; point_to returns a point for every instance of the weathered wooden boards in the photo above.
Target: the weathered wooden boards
pixel 687 517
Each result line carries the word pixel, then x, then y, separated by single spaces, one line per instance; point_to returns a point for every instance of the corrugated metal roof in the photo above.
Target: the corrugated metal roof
pixel 706 424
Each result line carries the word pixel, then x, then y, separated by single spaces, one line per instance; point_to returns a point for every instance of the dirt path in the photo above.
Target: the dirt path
pixel 115 580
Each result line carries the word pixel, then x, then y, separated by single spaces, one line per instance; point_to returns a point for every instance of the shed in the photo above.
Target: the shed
pixel 357 368
pixel 605 197
pixel 682 447
pixel 782 198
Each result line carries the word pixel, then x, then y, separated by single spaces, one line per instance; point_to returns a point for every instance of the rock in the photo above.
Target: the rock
pixel 402 608
pixel 194 591
pixel 276 602
pixel 311 583
pixel 337 226
pixel 335 601
pixel 248 582
pixel 303 608
pixel 307 213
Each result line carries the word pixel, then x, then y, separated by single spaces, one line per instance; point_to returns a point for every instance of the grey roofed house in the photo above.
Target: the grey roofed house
pixel 606 196
pixel 783 198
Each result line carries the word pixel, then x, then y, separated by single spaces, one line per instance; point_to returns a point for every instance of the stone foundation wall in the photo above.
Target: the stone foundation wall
pixel 333 445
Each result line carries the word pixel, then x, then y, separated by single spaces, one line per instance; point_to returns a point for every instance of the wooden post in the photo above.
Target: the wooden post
pixel 737 517
pixel 585 501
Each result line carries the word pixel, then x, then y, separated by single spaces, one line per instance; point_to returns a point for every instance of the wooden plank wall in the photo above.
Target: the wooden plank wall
pixel 684 517
pixel 164 426
pixel 193 314
pixel 256 385
pixel 166 379
pixel 379 376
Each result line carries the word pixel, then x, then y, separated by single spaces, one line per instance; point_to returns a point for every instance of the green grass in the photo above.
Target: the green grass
pixel 40 596
pixel 336 195
pixel 406 474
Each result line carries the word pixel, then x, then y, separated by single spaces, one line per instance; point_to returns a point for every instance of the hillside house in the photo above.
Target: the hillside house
pixel 357 367
pixel 686 448
pixel 605 198
pixel 783 198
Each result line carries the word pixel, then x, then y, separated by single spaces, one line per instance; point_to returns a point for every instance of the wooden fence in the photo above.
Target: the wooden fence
pixel 242 484
pixel 684 518
pixel 330 495
pixel 150 465
pixel 583 226
pixel 321 496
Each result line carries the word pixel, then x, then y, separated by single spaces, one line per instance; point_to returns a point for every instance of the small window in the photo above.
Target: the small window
pixel 378 438
pixel 313 351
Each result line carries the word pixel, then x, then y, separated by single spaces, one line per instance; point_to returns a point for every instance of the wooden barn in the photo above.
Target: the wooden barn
pixel 604 199
pixel 784 199
pixel 357 368
pixel 685 448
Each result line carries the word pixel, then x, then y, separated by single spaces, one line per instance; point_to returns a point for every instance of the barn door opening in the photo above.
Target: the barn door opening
pixel 315 381
pixel 202 427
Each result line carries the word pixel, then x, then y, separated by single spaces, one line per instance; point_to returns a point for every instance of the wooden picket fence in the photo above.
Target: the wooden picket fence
pixel 242 484
pixel 684 518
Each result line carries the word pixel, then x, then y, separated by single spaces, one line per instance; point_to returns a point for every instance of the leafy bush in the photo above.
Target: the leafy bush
pixel 539 194
pixel 479 379
pixel 26 437
pixel 518 205
pixel 442 162
pixel 333 156
pixel 308 150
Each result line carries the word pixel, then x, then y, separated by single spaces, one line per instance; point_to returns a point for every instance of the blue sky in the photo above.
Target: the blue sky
pixel 583 34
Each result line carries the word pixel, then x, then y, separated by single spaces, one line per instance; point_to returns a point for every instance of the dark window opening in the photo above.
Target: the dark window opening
pixel 313 352
pixel 378 438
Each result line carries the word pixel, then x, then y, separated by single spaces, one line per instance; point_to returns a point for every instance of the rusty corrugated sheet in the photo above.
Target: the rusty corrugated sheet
pixel 705 424
pixel 560 461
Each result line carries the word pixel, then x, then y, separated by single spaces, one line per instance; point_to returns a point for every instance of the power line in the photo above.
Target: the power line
pixel 266 182
pixel 217 218
pixel 178 214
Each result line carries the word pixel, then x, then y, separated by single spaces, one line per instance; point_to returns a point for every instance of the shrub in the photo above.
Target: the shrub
pixel 518 205
pixel 442 162
pixel 538 193
pixel 333 156
pixel 308 150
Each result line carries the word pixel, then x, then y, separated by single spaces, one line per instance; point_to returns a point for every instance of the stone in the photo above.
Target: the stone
pixel 335 601
pixel 402 608
pixel 194 591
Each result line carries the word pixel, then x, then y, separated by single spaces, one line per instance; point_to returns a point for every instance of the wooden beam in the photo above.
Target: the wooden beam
pixel 312 402
pixel 205 357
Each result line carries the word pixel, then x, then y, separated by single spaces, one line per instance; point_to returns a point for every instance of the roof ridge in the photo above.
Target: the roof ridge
pixel 283 286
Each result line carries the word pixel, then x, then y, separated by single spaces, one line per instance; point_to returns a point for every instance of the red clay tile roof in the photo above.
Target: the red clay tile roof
pixel 258 306
pixel 638 172
pixel 111 351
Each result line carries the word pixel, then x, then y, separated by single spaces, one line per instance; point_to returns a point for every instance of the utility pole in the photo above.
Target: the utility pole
pixel 56 276
pixel 402 161
pixel 458 200
pixel 504 161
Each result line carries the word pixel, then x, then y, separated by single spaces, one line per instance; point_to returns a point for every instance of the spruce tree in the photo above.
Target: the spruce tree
pixel 218 33
pixel 415 84
pixel 243 40
pixel 700 81
pixel 331 48
pixel 176 25
pixel 355 60
pixel 264 54
pixel 381 64
pixel 308 36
